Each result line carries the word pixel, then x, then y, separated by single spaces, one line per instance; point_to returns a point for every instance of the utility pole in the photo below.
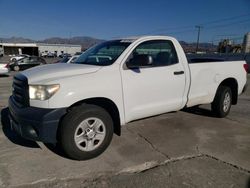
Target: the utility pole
pixel 198 37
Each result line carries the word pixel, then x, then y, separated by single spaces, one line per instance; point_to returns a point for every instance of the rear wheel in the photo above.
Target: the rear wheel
pixel 222 102
pixel 86 132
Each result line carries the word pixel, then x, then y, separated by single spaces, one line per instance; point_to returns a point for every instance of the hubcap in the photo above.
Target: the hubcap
pixel 226 102
pixel 90 134
pixel 16 68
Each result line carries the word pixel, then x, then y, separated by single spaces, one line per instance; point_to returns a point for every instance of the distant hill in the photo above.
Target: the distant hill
pixel 191 47
pixel 17 40
pixel 86 42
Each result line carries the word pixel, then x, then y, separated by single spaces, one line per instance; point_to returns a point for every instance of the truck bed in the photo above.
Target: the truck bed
pixel 207 76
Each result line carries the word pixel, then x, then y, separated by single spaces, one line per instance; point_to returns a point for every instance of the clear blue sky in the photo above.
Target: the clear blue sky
pixel 107 19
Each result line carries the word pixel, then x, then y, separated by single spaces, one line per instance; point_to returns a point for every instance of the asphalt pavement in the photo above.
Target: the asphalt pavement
pixel 189 148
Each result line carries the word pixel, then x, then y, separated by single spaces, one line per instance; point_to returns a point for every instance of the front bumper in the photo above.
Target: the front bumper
pixel 37 124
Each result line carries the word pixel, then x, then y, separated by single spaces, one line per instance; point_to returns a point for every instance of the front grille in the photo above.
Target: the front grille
pixel 20 92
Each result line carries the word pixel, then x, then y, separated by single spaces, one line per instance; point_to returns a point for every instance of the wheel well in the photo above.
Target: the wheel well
pixel 108 105
pixel 233 85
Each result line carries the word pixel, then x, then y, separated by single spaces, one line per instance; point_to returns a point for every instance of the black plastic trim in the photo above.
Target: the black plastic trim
pixel 38 124
pixel 21 90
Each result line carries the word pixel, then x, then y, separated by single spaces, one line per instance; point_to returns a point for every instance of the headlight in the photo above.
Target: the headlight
pixel 42 92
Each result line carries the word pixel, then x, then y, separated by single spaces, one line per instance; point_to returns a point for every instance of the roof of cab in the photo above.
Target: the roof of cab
pixel 134 38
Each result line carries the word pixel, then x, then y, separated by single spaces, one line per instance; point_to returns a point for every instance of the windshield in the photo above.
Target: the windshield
pixel 24 58
pixel 103 54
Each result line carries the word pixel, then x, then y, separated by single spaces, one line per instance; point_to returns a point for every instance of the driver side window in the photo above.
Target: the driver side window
pixel 162 52
pixel 25 60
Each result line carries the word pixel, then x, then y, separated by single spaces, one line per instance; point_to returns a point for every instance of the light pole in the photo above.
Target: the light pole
pixel 198 37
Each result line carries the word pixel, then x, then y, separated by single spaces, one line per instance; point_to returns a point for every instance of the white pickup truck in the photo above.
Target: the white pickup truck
pixel 81 105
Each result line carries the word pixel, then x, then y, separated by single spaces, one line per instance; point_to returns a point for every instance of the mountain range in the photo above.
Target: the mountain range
pixel 86 42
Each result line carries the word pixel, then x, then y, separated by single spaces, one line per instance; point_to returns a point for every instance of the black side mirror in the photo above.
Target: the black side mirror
pixel 140 61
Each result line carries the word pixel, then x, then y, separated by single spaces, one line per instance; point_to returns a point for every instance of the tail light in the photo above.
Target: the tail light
pixel 246 67
pixel 7 65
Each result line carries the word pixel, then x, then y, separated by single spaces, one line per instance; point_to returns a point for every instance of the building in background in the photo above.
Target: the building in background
pixel 39 48
pixel 58 48
pixel 246 43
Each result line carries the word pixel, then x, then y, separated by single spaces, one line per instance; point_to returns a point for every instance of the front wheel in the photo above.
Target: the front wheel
pixel 222 102
pixel 86 132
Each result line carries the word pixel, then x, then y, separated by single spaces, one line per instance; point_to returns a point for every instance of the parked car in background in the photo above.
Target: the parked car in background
pixel 43 54
pixel 73 59
pixel 65 59
pixel 48 54
pixel 17 57
pixel 26 63
pixel 68 59
pixel 63 55
pixel 51 54
pixel 78 53
pixel 4 69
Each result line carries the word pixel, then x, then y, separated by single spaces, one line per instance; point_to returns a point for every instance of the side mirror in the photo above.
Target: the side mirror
pixel 140 61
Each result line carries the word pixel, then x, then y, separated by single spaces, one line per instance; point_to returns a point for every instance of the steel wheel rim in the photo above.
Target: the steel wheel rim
pixel 90 134
pixel 16 68
pixel 226 102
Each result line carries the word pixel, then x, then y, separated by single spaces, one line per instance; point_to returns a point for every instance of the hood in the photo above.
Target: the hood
pixel 45 73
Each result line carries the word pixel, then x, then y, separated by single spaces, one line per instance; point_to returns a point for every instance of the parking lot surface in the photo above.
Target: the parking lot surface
pixel 190 148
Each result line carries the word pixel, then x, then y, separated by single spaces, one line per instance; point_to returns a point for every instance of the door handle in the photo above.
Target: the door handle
pixel 178 72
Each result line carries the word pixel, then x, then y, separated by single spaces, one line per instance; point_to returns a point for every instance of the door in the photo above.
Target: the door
pixel 34 61
pixel 157 88
pixel 23 63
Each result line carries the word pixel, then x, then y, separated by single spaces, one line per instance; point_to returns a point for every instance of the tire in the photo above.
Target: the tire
pixel 222 102
pixel 91 127
pixel 16 68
